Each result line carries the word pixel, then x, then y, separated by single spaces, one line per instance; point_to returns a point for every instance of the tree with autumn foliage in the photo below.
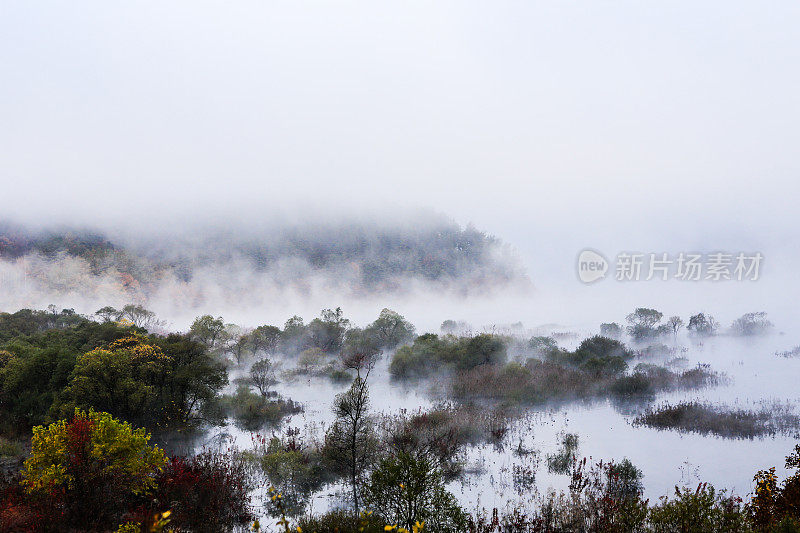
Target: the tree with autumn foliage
pixel 152 381
pixel 92 472
pixel 87 470
pixel 205 493
pixel 774 506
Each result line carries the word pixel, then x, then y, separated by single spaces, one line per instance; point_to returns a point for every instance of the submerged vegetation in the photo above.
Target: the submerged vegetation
pixel 111 478
pixel 751 324
pixel 430 354
pixel 721 421
pixel 597 368
pixel 794 352
pixel 86 392
pixel 252 411
pixel 560 462
pixel 478 369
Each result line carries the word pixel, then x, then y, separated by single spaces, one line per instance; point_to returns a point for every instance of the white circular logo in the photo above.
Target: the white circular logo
pixel 592 266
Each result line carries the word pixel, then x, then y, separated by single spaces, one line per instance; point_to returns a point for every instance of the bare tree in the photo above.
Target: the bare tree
pixel 675 323
pixel 351 441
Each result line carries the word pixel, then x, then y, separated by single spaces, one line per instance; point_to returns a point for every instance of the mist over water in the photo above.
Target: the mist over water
pixel 448 161
pixel 756 376
pixel 257 268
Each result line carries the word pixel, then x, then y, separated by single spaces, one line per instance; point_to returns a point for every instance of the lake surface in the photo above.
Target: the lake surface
pixel 755 374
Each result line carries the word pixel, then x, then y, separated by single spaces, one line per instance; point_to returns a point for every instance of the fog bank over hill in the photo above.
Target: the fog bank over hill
pixel 217 264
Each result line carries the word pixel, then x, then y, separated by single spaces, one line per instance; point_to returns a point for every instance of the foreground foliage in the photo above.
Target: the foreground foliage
pixel 90 470
pixel 405 489
pixel 94 473
pixel 50 367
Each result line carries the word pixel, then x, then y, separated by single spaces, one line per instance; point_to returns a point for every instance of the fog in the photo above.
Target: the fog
pixel 259 271
pixel 223 148
pixel 617 127
pixel 255 269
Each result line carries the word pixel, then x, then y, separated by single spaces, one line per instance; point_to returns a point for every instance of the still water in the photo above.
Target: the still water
pixel 755 374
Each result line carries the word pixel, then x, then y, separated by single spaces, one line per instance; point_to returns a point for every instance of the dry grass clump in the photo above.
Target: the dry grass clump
pixel 705 419
pixel 540 381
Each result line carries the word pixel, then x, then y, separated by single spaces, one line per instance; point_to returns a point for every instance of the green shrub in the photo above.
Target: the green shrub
pixel 252 411
pixel 341 522
pixel 10 448
pixel 703 510
pixel 405 489
pixel 596 355
pixel 637 384
pixel 429 353
pixel 340 375
pixel 294 469
pixel 624 480
pixel 419 359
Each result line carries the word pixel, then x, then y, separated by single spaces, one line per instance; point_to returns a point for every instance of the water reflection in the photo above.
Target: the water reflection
pixel 509 467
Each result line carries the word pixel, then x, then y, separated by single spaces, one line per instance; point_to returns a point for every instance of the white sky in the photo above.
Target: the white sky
pixel 662 126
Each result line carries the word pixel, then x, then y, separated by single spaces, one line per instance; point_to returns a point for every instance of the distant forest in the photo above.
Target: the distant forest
pixel 357 256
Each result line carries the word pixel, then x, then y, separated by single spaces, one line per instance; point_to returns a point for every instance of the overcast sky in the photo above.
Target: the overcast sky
pixel 555 125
